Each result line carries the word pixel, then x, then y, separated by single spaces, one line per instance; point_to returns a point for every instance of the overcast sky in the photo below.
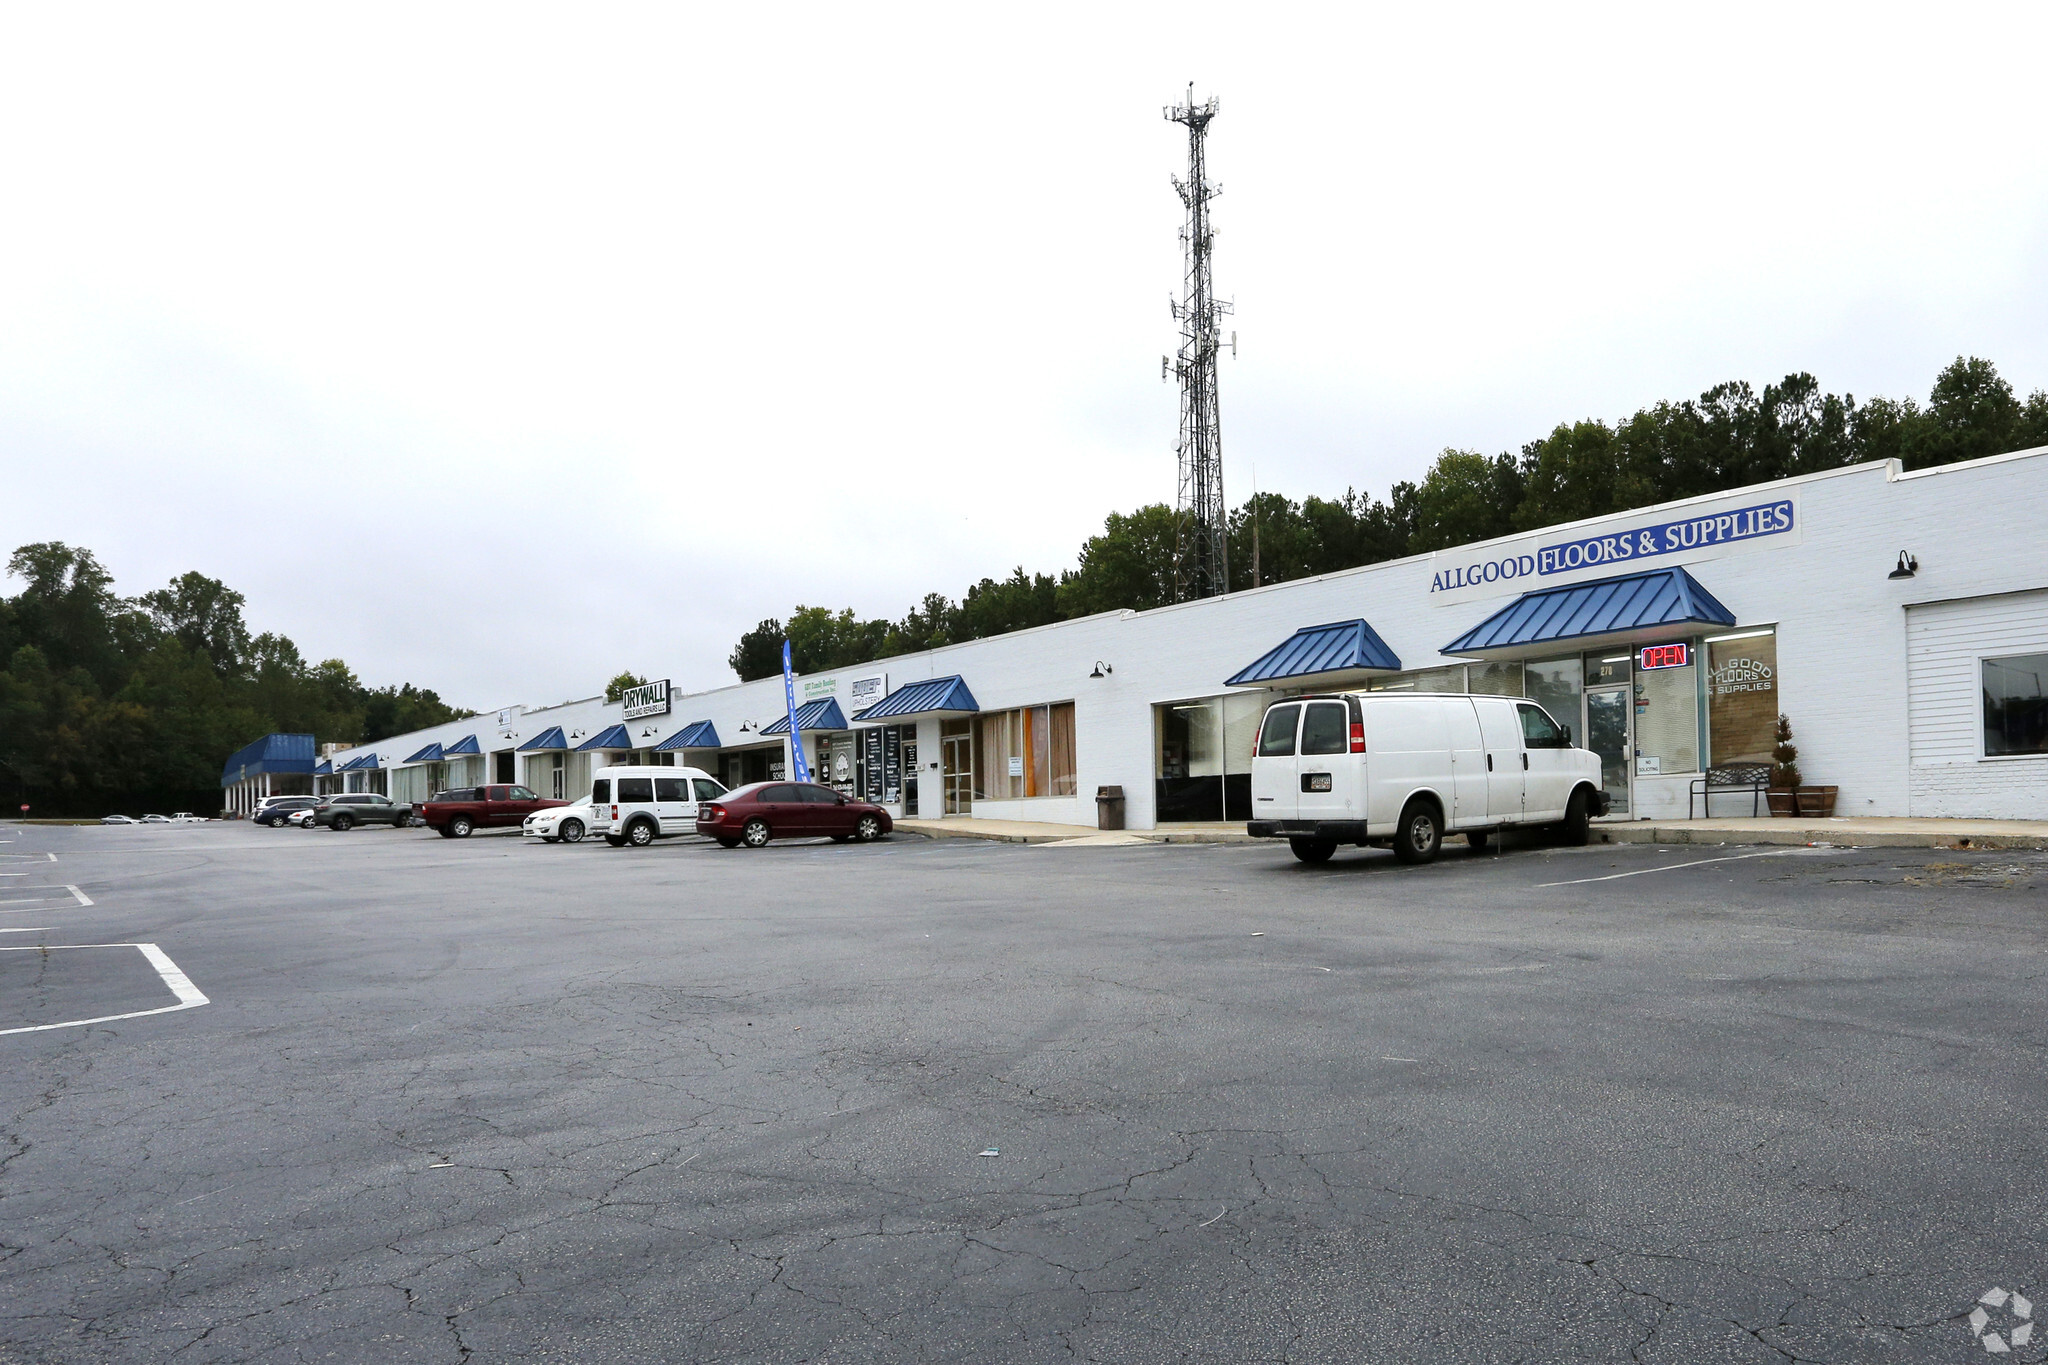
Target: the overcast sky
pixel 501 349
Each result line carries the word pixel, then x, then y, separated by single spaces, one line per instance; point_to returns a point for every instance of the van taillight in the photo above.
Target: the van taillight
pixel 615 812
pixel 1357 736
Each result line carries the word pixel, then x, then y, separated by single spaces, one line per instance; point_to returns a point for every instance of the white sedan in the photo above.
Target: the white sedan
pixel 558 824
pixel 119 820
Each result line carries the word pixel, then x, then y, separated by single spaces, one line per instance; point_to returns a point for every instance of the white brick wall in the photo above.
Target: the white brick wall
pixel 1978 529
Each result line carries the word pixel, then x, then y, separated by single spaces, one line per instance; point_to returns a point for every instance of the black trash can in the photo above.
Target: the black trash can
pixel 1109 808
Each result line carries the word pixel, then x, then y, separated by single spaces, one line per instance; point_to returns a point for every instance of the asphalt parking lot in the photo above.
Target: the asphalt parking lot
pixel 493 1101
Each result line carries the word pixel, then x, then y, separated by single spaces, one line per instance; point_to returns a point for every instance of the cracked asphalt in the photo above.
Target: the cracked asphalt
pixel 492 1101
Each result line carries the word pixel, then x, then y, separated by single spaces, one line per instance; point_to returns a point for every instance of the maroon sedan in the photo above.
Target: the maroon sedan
pixel 754 814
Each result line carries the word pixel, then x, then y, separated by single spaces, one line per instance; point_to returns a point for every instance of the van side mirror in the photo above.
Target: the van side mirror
pixel 1567 736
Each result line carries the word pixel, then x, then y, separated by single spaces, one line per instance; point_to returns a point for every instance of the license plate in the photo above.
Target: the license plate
pixel 1315 782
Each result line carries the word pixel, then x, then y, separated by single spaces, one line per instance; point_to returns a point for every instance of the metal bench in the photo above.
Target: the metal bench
pixel 1754 778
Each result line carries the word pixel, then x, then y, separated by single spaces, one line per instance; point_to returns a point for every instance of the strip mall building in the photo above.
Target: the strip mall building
pixel 1899 620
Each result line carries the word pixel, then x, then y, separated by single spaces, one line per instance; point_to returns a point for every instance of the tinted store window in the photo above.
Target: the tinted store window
pixel 1742 697
pixel 2016 705
pixel 1202 755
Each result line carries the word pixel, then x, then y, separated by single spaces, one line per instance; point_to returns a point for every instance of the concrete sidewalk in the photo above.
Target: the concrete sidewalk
pixel 1866 833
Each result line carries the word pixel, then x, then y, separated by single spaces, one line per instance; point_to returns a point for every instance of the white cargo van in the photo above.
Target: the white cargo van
pixel 637 805
pixel 1405 768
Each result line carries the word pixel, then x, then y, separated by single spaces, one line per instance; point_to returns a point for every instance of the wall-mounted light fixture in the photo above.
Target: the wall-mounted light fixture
pixel 1908 566
pixel 575 734
pixel 1101 670
pixel 648 731
pixel 746 727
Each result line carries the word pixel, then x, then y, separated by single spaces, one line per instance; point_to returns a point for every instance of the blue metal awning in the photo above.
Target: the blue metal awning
pixel 1625 610
pixel 550 738
pixel 817 715
pixel 616 737
pixel 359 761
pixel 938 697
pixel 278 753
pixel 466 745
pixel 323 769
pixel 433 753
pixel 700 735
pixel 1329 653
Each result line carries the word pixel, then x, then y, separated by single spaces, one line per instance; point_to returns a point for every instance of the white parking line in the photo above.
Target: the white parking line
pixel 31 929
pixel 189 996
pixel 1673 867
pixel 76 894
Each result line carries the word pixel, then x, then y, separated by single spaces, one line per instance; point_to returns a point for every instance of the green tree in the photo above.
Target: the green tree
pixel 205 615
pixel 759 652
pixel 1465 497
pixel 1971 413
pixel 616 688
pixel 1128 567
pixel 996 608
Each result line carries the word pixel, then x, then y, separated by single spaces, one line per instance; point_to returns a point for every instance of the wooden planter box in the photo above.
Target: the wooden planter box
pixel 1817 801
pixel 1784 800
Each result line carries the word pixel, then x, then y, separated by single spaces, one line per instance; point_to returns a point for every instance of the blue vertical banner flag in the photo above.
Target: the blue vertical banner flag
pixel 799 771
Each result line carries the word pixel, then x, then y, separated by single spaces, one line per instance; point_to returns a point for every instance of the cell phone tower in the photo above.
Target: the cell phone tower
pixel 1201 555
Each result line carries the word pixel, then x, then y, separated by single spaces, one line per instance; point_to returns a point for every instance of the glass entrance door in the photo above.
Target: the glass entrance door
pixel 957 757
pixel 1607 721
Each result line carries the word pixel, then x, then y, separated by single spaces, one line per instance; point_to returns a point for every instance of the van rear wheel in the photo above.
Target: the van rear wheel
pixel 1420 834
pixel 640 833
pixel 1478 838
pixel 1313 850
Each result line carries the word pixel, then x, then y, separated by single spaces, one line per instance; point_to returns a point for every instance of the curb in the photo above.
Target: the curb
pixel 1836 836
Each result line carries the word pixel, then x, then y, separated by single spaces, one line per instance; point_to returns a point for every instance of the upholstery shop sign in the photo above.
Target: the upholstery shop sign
pixel 1461 575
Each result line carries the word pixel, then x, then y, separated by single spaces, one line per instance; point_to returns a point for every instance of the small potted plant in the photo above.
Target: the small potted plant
pixel 1783 793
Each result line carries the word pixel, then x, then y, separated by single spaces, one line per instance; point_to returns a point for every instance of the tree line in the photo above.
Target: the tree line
pixel 1728 437
pixel 111 703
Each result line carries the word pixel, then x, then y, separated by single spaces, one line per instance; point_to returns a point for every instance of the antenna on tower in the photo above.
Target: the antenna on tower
pixel 1201 559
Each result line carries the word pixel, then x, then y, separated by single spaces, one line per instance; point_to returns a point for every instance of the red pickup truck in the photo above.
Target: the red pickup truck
pixel 453 814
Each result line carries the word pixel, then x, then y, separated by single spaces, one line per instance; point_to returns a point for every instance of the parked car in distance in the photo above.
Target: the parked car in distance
pixel 453 814
pixel 119 820
pixel 186 817
pixel 154 820
pixel 361 808
pixel 637 805
pixel 1406 768
pixel 276 809
pixel 559 824
pixel 300 819
pixel 760 811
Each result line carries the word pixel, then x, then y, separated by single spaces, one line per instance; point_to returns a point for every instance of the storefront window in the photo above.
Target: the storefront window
pixel 1450 678
pixel 1608 667
pixel 1494 679
pixel 1553 684
pixel 1202 756
pixel 1667 713
pixel 1742 697
pixel 1027 752
pixel 2016 705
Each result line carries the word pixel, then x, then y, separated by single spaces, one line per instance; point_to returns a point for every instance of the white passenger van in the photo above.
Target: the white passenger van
pixel 1405 768
pixel 636 805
